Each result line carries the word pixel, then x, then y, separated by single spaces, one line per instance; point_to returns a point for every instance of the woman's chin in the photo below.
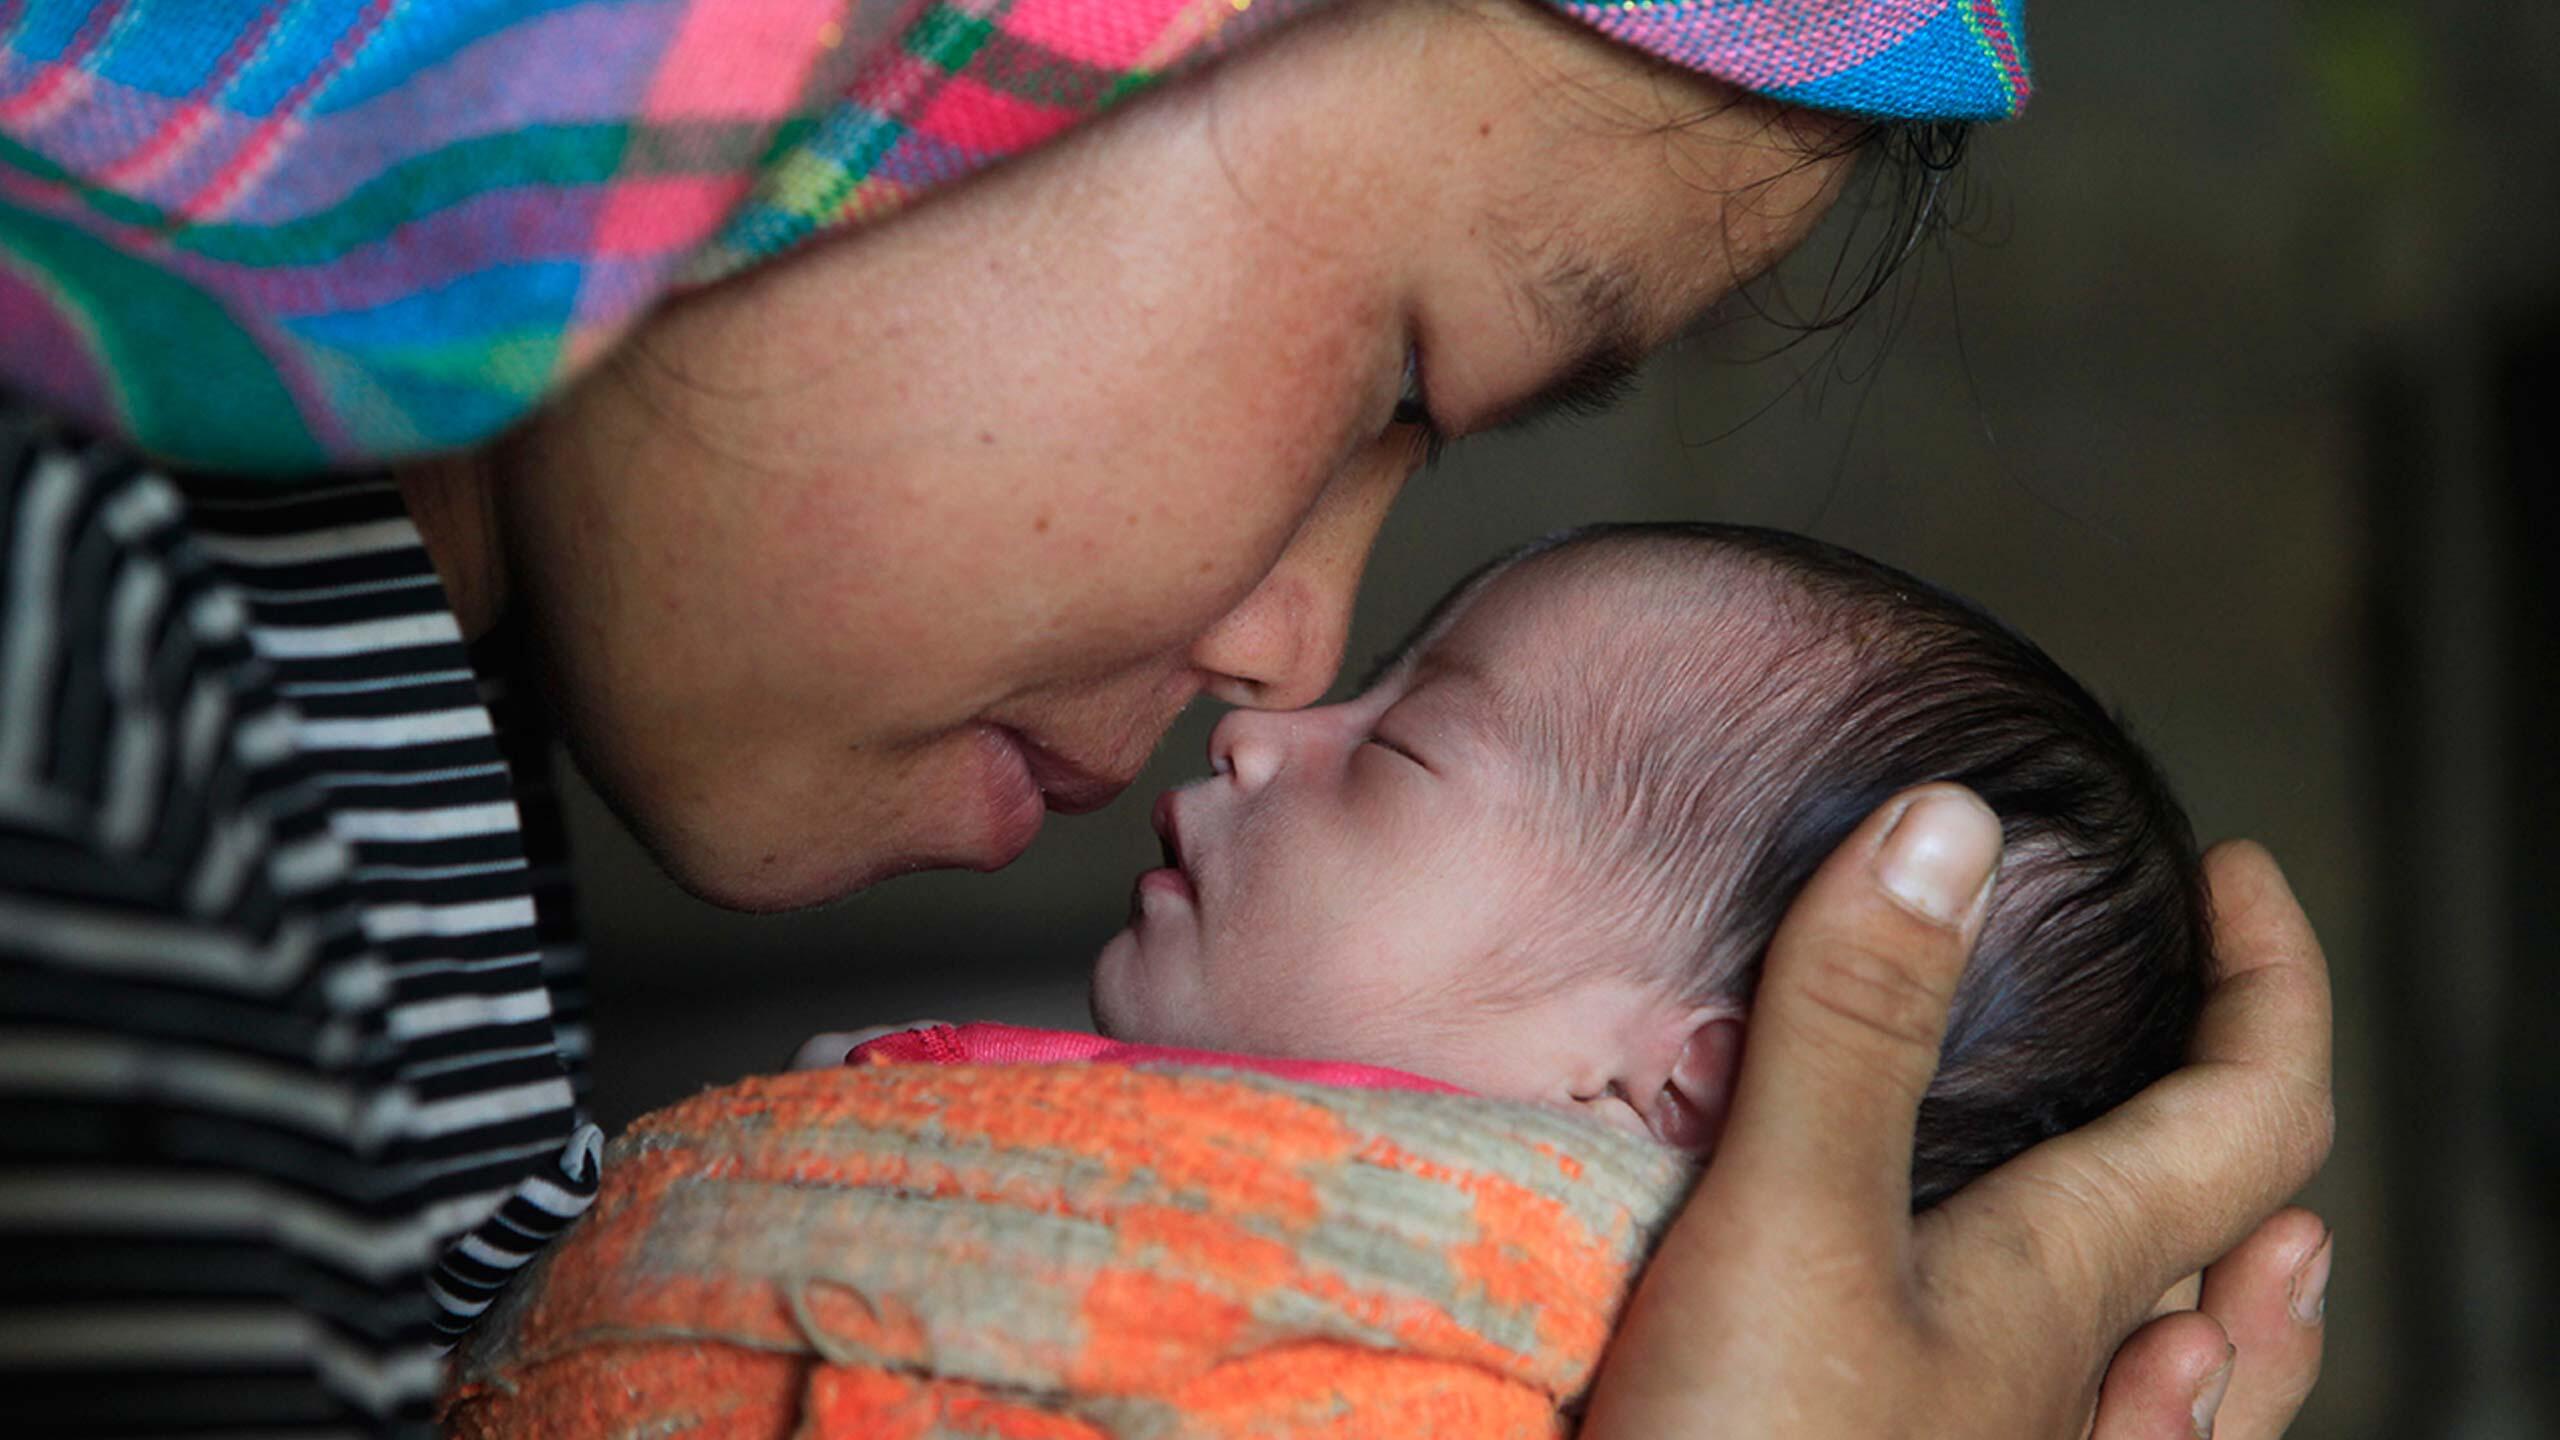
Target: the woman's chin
pixel 715 853
pixel 776 884
pixel 799 874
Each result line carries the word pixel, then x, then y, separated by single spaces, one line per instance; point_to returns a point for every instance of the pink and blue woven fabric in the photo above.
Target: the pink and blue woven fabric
pixel 289 235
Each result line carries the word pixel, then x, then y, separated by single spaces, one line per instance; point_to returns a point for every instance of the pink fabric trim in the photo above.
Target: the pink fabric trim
pixel 1114 36
pixel 986 1043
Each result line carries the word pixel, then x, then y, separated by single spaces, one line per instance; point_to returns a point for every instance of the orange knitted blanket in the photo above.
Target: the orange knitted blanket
pixel 1045 1252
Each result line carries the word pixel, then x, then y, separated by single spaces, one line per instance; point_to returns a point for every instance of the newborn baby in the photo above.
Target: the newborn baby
pixel 1540 857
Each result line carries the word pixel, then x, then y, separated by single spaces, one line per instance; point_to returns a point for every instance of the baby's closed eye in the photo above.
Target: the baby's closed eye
pixel 1391 747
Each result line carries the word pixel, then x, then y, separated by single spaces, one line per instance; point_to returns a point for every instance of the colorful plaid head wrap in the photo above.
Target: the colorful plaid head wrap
pixel 293 234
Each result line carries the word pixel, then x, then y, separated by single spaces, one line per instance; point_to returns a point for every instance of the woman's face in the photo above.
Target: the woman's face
pixel 854 564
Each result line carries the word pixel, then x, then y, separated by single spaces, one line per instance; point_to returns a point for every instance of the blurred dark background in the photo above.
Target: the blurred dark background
pixel 2234 391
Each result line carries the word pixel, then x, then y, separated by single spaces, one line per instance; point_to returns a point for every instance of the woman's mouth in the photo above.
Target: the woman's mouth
pixel 1022 778
pixel 1067 786
pixel 1014 799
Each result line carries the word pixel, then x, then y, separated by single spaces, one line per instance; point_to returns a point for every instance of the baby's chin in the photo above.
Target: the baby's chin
pixel 1108 994
pixel 1148 996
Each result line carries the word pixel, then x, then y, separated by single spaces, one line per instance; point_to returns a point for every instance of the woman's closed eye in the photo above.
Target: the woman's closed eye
pixel 1413 408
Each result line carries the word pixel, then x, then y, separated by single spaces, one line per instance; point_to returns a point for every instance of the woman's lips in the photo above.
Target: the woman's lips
pixel 1013 799
pixel 1020 779
pixel 1066 786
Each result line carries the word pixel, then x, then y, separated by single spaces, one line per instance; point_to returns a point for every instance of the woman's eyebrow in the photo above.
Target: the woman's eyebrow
pixel 1592 311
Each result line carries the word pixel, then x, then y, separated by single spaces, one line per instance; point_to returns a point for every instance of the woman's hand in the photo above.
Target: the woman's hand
pixel 2251 1346
pixel 1797 1296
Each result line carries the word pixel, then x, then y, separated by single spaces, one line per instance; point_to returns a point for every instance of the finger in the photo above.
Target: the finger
pixel 821 1051
pixel 1845 1024
pixel 2269 1296
pixel 2179 1174
pixel 824 1051
pixel 2182 1296
pixel 2166 1382
pixel 2271 1005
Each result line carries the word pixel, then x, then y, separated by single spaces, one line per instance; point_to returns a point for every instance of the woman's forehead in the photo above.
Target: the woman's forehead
pixel 1601 178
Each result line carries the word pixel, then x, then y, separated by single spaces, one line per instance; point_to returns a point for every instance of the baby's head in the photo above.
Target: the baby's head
pixel 1541 856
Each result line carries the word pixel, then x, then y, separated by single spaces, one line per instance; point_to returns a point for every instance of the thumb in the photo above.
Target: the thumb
pixel 1846 1021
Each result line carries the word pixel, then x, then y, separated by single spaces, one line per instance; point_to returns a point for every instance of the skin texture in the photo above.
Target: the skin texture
pixel 1113 425
pixel 1382 881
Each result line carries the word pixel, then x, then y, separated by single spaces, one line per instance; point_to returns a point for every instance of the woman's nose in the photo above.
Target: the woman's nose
pixel 1280 647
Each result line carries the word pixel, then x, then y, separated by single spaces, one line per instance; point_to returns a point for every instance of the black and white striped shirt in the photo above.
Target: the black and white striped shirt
pixel 291 1039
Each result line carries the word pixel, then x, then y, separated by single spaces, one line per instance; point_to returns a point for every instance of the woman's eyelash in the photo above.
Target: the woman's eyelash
pixel 1413 408
pixel 1595 384
pixel 1592 384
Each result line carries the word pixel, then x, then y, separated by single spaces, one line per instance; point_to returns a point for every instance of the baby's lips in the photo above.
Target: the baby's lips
pixel 1168 828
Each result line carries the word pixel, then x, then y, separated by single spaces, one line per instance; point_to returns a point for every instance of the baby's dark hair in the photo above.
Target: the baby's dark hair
pixel 1711 783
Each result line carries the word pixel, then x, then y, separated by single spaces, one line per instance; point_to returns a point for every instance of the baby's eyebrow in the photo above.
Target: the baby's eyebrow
pixel 1485 711
pixel 1385 665
pixel 1423 632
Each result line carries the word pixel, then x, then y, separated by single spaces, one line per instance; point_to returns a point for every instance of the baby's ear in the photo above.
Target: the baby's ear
pixel 1688 1112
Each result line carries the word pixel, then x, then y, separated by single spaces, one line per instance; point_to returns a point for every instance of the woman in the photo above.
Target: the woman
pixel 854 562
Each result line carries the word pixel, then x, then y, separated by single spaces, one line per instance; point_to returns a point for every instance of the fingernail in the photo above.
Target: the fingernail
pixel 2209 1394
pixel 1939 856
pixel 2311 1284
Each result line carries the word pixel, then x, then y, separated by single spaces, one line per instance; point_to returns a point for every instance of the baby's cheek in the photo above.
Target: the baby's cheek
pixel 1295 999
pixel 1615 1113
pixel 1503 1051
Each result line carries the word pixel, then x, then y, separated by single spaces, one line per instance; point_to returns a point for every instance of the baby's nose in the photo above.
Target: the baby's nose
pixel 1247 746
